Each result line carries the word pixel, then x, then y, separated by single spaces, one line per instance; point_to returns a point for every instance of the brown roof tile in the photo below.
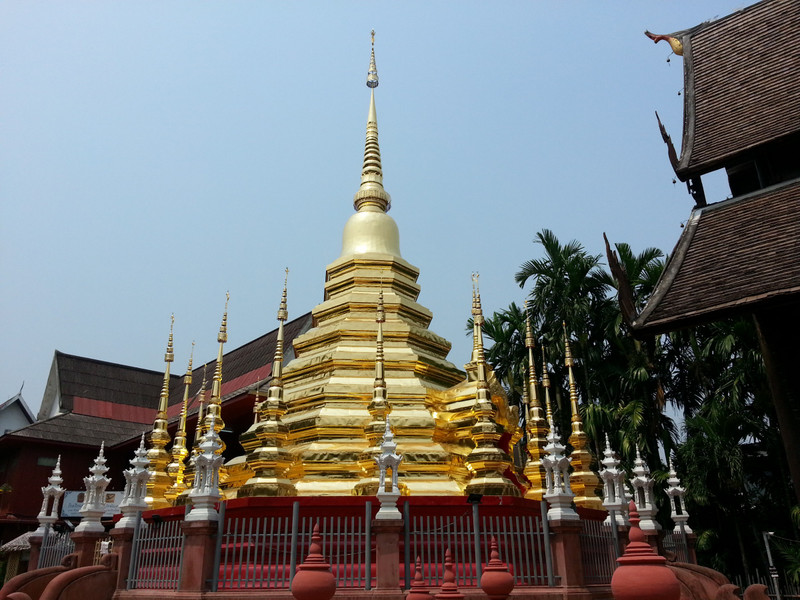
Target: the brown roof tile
pixel 82 430
pixel 742 80
pixel 110 382
pixel 731 255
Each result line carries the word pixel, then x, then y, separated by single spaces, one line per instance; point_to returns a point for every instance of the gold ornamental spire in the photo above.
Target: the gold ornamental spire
pixel 277 362
pixel 536 425
pixel 159 438
pixel 371 196
pixel 187 381
pixel 546 386
pixel 533 380
pixel 214 412
pixel 577 424
pixel 169 356
pixel 487 461
pixel 584 482
pixel 268 460
pixel 179 452
pixel 198 429
pixel 478 351
pixel 379 387
pixel 378 408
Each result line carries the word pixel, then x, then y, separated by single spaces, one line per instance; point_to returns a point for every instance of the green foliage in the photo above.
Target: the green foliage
pixel 730 458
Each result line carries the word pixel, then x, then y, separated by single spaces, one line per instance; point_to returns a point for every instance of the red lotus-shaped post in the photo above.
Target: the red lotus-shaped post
pixel 496 580
pixel 642 574
pixel 314 579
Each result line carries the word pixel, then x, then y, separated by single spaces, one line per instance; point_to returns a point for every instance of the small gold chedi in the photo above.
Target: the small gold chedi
pixel 584 482
pixel 266 440
pixel 535 423
pixel 158 439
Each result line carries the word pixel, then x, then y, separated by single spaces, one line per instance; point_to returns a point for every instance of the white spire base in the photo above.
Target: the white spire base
pixel 559 494
pixel 134 498
pixel 388 459
pixel 94 504
pixel 205 493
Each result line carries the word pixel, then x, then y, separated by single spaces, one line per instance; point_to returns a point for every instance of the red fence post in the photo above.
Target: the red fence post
pixel 85 543
pixel 566 547
pixel 123 548
pixel 197 561
pixel 36 549
pixel 387 548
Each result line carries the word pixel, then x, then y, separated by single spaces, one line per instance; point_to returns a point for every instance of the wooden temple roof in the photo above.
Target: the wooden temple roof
pixel 732 255
pixel 742 84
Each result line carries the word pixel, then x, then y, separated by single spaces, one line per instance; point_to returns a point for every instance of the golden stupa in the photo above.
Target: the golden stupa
pixel 371 353
pixel 368 355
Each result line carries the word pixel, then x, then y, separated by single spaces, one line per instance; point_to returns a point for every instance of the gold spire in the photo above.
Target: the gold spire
pixel 487 462
pixel 198 429
pixel 179 452
pixel 214 413
pixel 378 408
pixel 546 386
pixel 584 482
pixel 257 404
pixel 159 438
pixel 533 381
pixel 371 195
pixel 169 356
pixel 478 353
pixel 577 424
pixel 277 363
pixel 536 425
pixel 268 460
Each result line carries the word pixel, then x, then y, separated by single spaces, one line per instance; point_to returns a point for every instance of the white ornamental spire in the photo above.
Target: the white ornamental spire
pixel 52 494
pixel 389 459
pixel 134 498
pixel 559 494
pixel 677 503
pixel 94 504
pixel 643 495
pixel 613 487
pixel 205 492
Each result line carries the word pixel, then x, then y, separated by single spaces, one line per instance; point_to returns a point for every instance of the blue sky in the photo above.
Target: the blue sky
pixel 155 154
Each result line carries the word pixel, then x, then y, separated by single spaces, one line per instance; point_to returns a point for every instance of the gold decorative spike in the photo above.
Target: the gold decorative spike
pixel 487 462
pixel 159 438
pixel 188 473
pixel 371 196
pixel 214 411
pixel 179 452
pixel 536 425
pixel 584 482
pixel 372 74
pixel 379 409
pixel 268 459
pixel 257 405
pixel 546 386
pixel 199 431
pixel 577 424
